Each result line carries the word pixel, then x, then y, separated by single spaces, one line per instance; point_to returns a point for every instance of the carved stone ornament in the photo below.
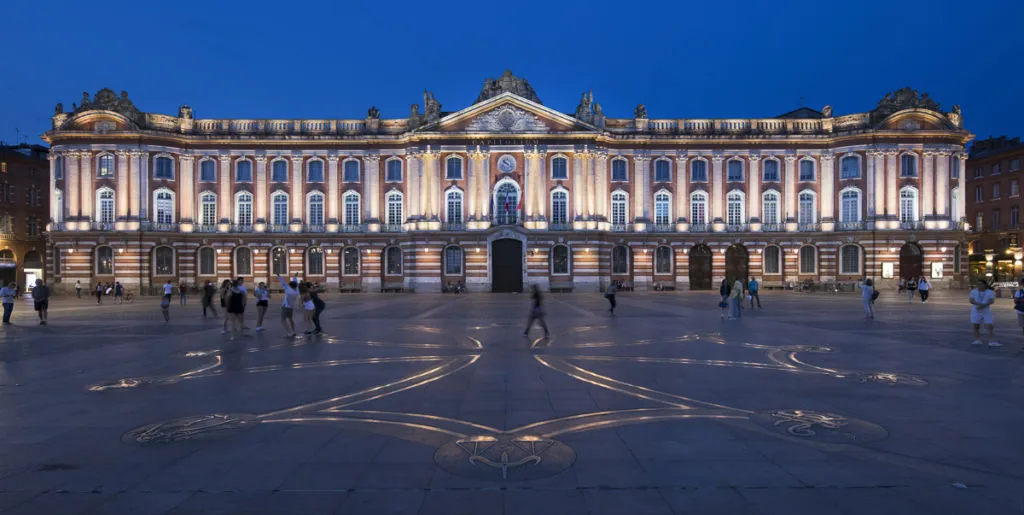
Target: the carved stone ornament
pixel 507 119
pixel 640 111
pixel 107 100
pixel 185 112
pixel 373 113
pixel 506 163
pixel 904 98
pixel 507 83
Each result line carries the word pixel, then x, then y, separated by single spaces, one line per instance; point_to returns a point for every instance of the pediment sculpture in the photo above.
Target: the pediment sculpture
pixel 507 83
pixel 507 119
pixel 107 100
pixel 901 99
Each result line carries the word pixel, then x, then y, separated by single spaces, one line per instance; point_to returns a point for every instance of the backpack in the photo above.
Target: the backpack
pixel 874 295
pixel 1018 300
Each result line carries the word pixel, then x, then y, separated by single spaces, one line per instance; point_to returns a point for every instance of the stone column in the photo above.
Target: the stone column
pixel 878 174
pixel 143 191
pixel 642 164
pixel 601 184
pixel 297 196
pixel 892 206
pixel 73 193
pixel 591 185
pixel 431 164
pixel 134 175
pixel 123 189
pixel 827 194
pixel 942 184
pixel 85 180
pixel 927 185
pixel 790 190
pixel 754 188
pixel 224 188
pixel 962 204
pixel 577 180
pixel 414 192
pixel 476 194
pixel 332 188
pixel 260 214
pixel 485 185
pixel 371 166
pixel 682 195
pixel 472 170
pixel 186 189
pixel 717 188
pixel 535 196
pixel 53 156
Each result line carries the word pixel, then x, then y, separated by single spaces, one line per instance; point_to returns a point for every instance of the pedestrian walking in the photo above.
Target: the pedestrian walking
pixel 737 299
pixel 536 313
pixel 99 293
pixel 724 290
pixel 753 287
pixel 911 289
pixel 223 292
pixel 165 308
pixel 240 285
pixel 236 307
pixel 182 290
pixel 901 286
pixel 262 302
pixel 924 287
pixel 1018 303
pixel 610 295
pixel 78 288
pixel 41 300
pixel 118 292
pixel 168 289
pixel 209 292
pixel 318 307
pixel 7 295
pixel 307 307
pixel 982 297
pixel 291 298
pixel 868 294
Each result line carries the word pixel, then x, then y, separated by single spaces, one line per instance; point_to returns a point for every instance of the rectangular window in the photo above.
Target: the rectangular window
pixel 1014 216
pixel 771 260
pixel 394 173
pixel 849 168
pixel 619 170
pixel 771 171
pixel 1014 165
pixel 955 169
pixel 979 194
pixel 978 173
pixel 454 169
pixel 806 170
pixel 735 171
pixel 661 210
pixel 995 191
pixel 699 171
pixel 559 210
pixel 996 218
pixel 1014 188
pixel 908 165
pixel 978 219
pixel 662 171
pixel 245 212
pixel 316 210
pixel 559 168
pixel 996 169
pixel 351 170
pixel 618 212
pixel 453 261
pixel 806 213
pixel 771 210
pixel 698 215
pixel 352 210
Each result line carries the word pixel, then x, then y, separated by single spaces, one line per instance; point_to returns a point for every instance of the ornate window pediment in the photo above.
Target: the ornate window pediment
pixel 507 118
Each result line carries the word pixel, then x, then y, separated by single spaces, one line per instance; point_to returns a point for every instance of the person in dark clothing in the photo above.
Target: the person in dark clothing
pixel 318 306
pixel 725 290
pixel 536 313
pixel 610 295
pixel 209 292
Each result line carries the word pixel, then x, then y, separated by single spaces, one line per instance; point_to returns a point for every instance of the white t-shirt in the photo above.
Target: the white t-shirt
pixel 168 289
pixel 982 296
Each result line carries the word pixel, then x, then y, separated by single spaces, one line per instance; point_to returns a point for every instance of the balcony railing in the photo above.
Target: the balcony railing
pixel 205 228
pixel 241 228
pixel 392 228
pixel 914 225
pixel 278 228
pixel 101 226
pixel 562 226
pixel 159 227
pixel 314 228
pixel 700 228
pixel 663 228
pixel 352 228
pixel 815 227
pixel 737 227
pixel 773 227
pixel 622 227
pixel 453 226
pixel 850 226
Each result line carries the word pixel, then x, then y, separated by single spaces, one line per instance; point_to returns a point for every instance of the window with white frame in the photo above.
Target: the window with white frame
pixel 350 171
pixel 619 173
pixel 163 204
pixel 453 260
pixel 979 193
pixel 351 202
pixel 207 171
pixel 243 209
pixel 908 204
pixel 908 165
pixel 849 260
pixel 806 170
pixel 772 260
pixel 243 171
pixel 662 208
pixel 995 191
pixel 662 170
pixel 806 213
pixel 698 208
pixel 315 209
pixel 395 208
pixel 979 221
pixel 350 261
pixel 1014 188
pixel 163 168
pixel 394 170
pixel 393 261
pixel 58 212
pixel 849 167
pixel 734 171
pixel 849 205
pixel 454 204
pixel 620 260
pixel 163 261
pixel 105 166
pixel 560 260
pixel 207 261
pixel 699 171
pixel 453 168
pixel 279 208
pixel 104 260
pixel 771 170
pixel 315 261
pixel 734 208
pixel 105 202
pixel 663 260
pixel 954 203
pixel 243 261
pixel 315 171
pixel 618 208
pixel 559 207
pixel 1014 165
pixel 808 259
pixel 279 261
pixel 559 168
pixel 979 172
pixel 279 171
pixel 770 208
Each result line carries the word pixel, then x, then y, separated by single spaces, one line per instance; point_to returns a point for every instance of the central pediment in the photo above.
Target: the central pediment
pixel 508 113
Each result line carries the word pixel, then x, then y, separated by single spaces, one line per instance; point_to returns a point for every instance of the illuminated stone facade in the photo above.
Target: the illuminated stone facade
pixel 504 193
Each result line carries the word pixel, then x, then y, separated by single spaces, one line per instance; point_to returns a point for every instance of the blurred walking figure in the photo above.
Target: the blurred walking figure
pixel 7 294
pixel 737 299
pixel 236 307
pixel 291 298
pixel 982 297
pixel 78 288
pixel 911 289
pixel 262 302
pixel 99 293
pixel 165 308
pixel 868 294
pixel 41 298
pixel 224 292
pixel 924 287
pixel 724 290
pixel 209 292
pixel 536 313
pixel 318 306
pixel 752 288
pixel 182 289
pixel 610 295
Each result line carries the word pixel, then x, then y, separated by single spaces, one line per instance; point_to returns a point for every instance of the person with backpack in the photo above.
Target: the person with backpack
pixel 924 287
pixel 911 289
pixel 868 295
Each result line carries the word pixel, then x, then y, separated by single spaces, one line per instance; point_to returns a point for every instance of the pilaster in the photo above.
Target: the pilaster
pixel 332 189
pixel 827 194
pixel 414 192
pixel 892 207
pixel 224 188
pixel 260 200
pixel 682 197
pixel 74 186
pixel 88 192
pixel 186 189
pixel 754 191
pixel 717 189
pixel 297 197
pixel 577 179
pixel 927 186
pixel 122 184
pixel 143 191
pixel 371 169
pixel 642 163
pixel 53 156
pixel 472 181
pixel 601 187
pixel 790 189
pixel 962 203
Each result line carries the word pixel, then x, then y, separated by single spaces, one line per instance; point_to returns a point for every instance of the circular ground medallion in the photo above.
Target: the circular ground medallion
pixel 197 427
pixel 820 426
pixel 891 379
pixel 502 457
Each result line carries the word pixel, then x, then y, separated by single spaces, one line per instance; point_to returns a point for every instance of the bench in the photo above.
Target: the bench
pixel 392 287
pixel 561 286
pixel 626 286
pixel 664 286
pixel 351 288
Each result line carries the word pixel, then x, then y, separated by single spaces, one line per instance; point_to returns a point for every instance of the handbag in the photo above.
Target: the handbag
pixel 723 305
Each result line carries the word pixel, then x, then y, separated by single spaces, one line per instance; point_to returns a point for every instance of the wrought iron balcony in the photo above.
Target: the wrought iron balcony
pixel 278 228
pixel 447 226
pixel 622 227
pixel 737 227
pixel 811 227
pixel 912 225
pixel 700 228
pixel 241 228
pixel 352 228
pixel 851 226
pixel 773 227
pixel 101 226
pixel 159 227
pixel 205 228
pixel 663 228
pixel 392 228
pixel 314 228
pixel 559 226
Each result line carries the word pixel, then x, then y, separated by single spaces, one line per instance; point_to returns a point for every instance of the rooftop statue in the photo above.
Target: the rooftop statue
pixel 373 113
pixel 826 111
pixel 640 111
pixel 107 100
pixel 583 110
pixel 905 98
pixel 507 83
pixel 432 108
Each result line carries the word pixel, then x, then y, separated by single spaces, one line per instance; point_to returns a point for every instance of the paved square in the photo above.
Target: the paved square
pixel 437 404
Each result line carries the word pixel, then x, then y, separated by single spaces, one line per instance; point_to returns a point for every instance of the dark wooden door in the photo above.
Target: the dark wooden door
pixel 737 264
pixel 911 261
pixel 507 265
pixel 700 268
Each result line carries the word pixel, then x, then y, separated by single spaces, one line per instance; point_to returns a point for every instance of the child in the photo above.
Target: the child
pixel 165 308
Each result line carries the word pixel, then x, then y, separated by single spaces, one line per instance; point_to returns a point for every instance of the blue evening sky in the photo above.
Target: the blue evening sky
pixel 723 58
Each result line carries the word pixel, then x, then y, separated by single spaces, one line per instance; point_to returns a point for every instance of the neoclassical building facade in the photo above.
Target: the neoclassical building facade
pixel 506 193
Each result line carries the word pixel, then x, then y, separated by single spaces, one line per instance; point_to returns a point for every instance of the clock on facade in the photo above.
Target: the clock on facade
pixel 506 163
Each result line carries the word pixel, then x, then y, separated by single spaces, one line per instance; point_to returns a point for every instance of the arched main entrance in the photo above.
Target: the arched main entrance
pixel 700 267
pixel 737 263
pixel 911 261
pixel 507 265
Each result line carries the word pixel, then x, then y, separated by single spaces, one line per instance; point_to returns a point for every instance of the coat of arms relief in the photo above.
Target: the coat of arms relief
pixel 507 119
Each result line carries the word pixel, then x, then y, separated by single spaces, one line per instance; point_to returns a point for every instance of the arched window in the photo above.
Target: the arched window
pixel 559 207
pixel 393 261
pixel 734 172
pixel 208 208
pixel 735 210
pixel 351 202
pixel 58 212
pixel 849 260
pixel 163 167
pixel 105 166
pixel 243 261
pixel 163 261
pixel 279 170
pixel 243 208
pixel 207 171
pixel 315 171
pixel 394 170
pixel 315 209
pixel 279 261
pixel 559 168
pixel 453 260
pixel 395 208
pixel 806 213
pixel 806 170
pixel 770 207
pixel 105 204
pixel 243 170
pixel 207 261
pixel 350 261
pixel 771 170
pixel 620 260
pixel 163 205
pixel 849 167
pixel 662 208
pixel 619 170
pixel 908 165
pixel 699 171
pixel 771 261
pixel 619 208
pixel 315 261
pixel 453 168
pixel 104 261
pixel 908 204
pixel 849 205
pixel 662 170
pixel 560 260
pixel 808 259
pixel 453 213
pixel 506 203
pixel 279 208
pixel 663 260
pixel 350 171
pixel 698 208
